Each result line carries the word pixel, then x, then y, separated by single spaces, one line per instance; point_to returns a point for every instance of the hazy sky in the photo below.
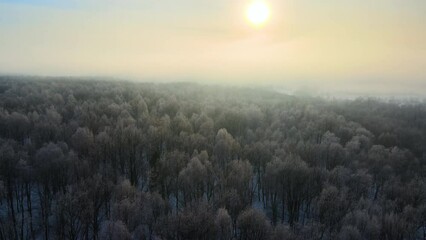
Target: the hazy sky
pixel 377 45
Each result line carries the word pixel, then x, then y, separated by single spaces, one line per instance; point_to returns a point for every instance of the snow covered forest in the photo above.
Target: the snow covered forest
pixel 91 159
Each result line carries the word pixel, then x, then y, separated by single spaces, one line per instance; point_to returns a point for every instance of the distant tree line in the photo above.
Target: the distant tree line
pixel 91 159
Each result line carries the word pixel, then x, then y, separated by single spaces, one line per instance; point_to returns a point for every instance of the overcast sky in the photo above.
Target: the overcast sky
pixel 353 45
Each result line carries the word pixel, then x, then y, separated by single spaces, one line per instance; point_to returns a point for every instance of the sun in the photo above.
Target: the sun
pixel 258 13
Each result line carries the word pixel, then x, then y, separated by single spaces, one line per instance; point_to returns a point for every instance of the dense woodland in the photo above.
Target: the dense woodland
pixel 92 159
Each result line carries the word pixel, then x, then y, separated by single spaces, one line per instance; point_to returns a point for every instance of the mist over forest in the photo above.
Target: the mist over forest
pixel 101 159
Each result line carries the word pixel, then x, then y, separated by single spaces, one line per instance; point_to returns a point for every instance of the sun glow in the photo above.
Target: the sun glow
pixel 258 13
